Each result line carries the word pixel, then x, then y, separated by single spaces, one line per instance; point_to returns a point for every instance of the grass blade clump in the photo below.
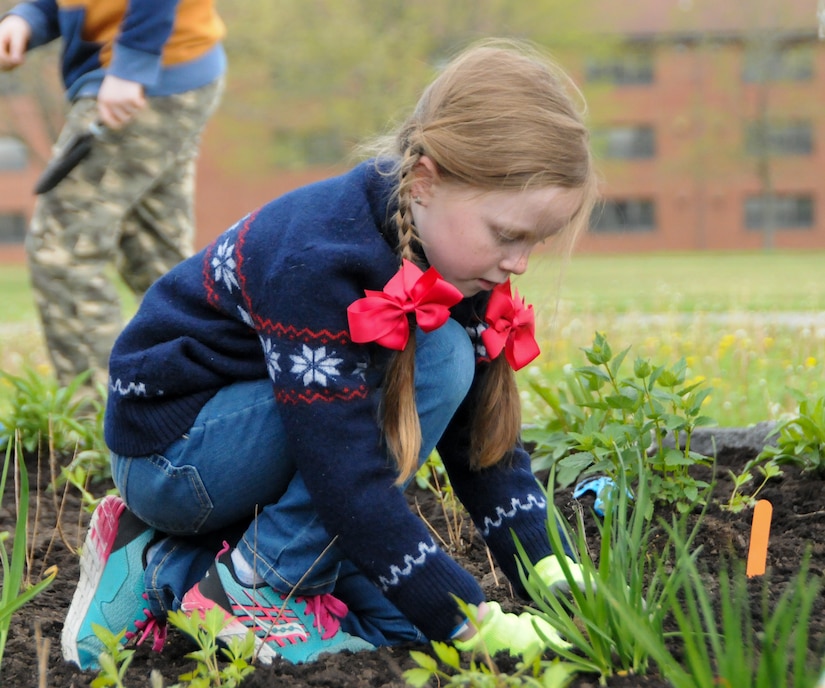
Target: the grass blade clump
pixel 14 594
pixel 625 590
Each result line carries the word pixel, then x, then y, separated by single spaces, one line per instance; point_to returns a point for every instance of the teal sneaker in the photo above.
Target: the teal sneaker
pixel 297 629
pixel 111 591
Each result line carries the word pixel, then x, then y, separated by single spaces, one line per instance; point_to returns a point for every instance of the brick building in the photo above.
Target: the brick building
pixel 708 121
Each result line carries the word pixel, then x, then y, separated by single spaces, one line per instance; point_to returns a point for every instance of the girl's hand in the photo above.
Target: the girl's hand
pixel 470 630
pixel 14 37
pixel 521 635
pixel 119 100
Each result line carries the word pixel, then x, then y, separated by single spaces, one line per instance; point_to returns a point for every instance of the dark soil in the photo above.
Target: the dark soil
pixel 32 656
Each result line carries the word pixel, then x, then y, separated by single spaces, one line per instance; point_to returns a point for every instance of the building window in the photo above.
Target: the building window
pixel 764 62
pixel 624 215
pixel 12 228
pixel 628 67
pixel 790 138
pixel 13 154
pixel 781 212
pixel 625 143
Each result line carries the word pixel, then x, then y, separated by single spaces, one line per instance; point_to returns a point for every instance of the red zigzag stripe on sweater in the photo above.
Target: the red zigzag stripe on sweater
pixel 309 397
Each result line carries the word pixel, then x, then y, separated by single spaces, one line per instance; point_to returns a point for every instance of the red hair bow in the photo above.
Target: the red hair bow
pixel 381 316
pixel 511 328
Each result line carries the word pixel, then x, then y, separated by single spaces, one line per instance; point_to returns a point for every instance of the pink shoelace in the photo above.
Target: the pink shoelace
pixel 149 626
pixel 327 610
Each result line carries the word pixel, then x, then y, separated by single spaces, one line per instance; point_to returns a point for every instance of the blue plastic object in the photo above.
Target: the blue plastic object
pixel 601 486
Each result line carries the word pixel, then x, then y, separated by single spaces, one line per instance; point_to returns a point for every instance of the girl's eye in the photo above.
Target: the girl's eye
pixel 507 238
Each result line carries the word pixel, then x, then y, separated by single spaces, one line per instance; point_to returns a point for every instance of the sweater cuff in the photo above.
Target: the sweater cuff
pixel 426 598
pixel 135 65
pixel 531 533
pixel 40 34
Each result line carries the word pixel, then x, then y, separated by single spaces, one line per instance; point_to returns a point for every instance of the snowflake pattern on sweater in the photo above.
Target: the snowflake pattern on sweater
pixel 301 362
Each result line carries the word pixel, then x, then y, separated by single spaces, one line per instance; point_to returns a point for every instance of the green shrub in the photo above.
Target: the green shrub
pixel 800 440
pixel 600 421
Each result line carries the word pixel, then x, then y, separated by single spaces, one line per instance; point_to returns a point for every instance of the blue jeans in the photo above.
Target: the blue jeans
pixel 208 488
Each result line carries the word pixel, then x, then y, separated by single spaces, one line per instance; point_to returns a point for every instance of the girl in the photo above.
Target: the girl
pixel 278 390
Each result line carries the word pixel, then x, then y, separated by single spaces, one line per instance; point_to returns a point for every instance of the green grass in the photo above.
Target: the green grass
pixel 17 295
pixel 689 282
pixel 725 313
pixel 717 310
pixel 21 342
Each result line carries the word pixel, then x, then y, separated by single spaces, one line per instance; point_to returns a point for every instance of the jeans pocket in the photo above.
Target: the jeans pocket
pixel 171 498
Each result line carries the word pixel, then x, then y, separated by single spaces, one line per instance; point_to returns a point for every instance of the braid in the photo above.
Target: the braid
pixel 402 428
pixel 403 216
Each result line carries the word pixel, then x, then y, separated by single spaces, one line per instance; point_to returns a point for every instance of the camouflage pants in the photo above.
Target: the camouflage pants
pixel 128 205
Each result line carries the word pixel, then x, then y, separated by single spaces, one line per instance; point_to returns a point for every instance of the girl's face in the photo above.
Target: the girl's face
pixel 478 239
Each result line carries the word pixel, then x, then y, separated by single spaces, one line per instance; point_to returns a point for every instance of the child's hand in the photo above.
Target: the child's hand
pixel 518 634
pixel 549 571
pixel 14 37
pixel 119 100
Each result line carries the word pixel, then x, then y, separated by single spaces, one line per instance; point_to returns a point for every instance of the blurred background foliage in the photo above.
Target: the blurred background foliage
pixel 309 79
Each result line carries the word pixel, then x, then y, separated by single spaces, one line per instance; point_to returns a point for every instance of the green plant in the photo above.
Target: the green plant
pixel 432 476
pixel 208 672
pixel 630 580
pixel 13 593
pixel 730 651
pixel 90 463
pixel 725 648
pixel 43 413
pixel 604 420
pixel 765 467
pixel 484 674
pixel 62 421
pixel 114 660
pixel 801 439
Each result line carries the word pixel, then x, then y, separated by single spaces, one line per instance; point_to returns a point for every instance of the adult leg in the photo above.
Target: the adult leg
pixel 69 245
pixel 158 232
pixel 76 231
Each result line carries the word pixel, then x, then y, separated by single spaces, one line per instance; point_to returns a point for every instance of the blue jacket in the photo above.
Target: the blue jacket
pixel 169 46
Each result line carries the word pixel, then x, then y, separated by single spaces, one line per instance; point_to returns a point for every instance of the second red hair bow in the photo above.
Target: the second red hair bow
pixel 511 328
pixel 382 316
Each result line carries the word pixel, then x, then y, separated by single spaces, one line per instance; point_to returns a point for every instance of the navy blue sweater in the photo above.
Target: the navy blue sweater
pixel 269 298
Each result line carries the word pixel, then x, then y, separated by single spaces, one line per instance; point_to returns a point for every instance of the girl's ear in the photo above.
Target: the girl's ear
pixel 425 173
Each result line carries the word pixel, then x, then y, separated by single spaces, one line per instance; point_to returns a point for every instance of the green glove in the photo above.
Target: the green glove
pixel 518 634
pixel 550 572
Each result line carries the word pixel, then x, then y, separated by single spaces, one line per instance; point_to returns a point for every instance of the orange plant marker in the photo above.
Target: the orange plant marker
pixel 760 531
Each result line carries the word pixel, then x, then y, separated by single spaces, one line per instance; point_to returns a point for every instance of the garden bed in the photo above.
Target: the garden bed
pixel 32 656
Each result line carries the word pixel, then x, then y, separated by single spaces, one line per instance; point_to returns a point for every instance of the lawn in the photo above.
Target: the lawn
pixel 749 325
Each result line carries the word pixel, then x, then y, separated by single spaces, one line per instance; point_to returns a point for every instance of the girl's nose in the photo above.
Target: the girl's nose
pixel 515 261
